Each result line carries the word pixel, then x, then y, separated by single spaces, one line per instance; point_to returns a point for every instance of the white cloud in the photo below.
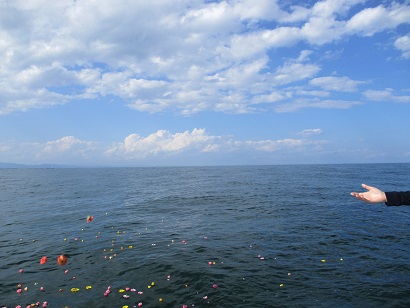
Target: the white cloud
pixel 315 103
pixel 403 44
pixel 248 45
pixel 331 83
pixel 321 29
pixel 372 20
pixel 11 101
pixel 136 146
pixel 124 85
pixel 307 92
pixel 68 144
pixel 159 145
pixel 311 131
pixel 5 148
pixel 295 70
pixel 290 145
pixel 386 96
pixel 185 56
pixel 163 143
pixel 65 150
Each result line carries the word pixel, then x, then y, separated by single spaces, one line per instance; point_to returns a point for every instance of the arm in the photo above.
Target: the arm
pixel 375 195
pixel 395 198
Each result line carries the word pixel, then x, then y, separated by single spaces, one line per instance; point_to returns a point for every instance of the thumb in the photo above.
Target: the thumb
pixel 366 186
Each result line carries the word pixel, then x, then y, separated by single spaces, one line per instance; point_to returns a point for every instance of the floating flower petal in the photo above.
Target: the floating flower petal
pixel 43 260
pixel 62 260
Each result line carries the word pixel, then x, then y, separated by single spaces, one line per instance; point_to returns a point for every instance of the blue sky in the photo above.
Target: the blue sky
pixel 190 82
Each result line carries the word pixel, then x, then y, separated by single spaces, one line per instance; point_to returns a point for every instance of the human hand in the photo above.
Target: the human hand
pixel 372 195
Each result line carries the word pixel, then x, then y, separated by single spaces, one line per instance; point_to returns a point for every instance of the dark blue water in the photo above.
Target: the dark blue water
pixel 276 236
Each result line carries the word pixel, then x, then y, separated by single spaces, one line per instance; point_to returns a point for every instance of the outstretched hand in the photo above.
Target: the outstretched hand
pixel 372 195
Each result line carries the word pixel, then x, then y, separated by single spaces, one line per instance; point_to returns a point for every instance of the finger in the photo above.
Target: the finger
pixel 367 187
pixel 358 196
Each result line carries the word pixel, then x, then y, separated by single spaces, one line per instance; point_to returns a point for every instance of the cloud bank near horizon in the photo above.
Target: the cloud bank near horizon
pixel 161 144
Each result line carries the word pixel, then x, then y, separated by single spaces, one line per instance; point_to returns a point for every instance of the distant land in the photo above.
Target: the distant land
pixel 22 166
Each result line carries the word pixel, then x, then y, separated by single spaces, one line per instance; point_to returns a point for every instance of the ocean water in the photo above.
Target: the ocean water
pixel 255 236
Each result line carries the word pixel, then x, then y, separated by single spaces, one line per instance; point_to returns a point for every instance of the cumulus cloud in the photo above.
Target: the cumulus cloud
pixel 372 20
pixel 162 142
pixel 159 145
pixel 323 25
pixel 184 56
pixel 65 150
pixel 68 144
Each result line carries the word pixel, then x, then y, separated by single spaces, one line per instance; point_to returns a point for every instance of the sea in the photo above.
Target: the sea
pixel 230 236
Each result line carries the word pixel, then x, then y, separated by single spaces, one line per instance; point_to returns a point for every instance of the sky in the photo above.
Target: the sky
pixel 199 82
